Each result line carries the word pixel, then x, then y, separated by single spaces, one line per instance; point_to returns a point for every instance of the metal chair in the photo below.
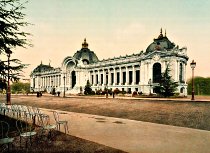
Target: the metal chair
pixel 45 127
pixel 26 130
pixel 4 138
pixel 2 108
pixel 40 116
pixel 59 122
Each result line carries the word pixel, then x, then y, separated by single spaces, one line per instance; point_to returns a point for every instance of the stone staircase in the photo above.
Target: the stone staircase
pixel 74 91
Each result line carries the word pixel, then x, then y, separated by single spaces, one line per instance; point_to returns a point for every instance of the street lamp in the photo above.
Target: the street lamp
pixel 150 85
pixel 9 52
pixel 64 77
pixel 192 65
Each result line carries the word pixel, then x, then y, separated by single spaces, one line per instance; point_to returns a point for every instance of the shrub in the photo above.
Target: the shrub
pixel 116 91
pixel 134 93
pixel 93 92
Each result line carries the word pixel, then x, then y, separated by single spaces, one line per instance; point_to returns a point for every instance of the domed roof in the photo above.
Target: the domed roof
pixel 161 43
pixel 42 68
pixel 86 54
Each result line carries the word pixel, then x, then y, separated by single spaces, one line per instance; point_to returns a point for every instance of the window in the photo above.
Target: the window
pixel 130 76
pixel 112 78
pixel 137 76
pixel 118 77
pixel 124 77
pixel 181 78
pixel 157 73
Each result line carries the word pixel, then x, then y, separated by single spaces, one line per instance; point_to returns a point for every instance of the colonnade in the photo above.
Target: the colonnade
pixel 47 82
pixel 115 76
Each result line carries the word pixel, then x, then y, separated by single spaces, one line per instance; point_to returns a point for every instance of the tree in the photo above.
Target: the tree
pixel 3 84
pixel 20 87
pixel 201 86
pixel 167 86
pixel 11 37
pixel 88 89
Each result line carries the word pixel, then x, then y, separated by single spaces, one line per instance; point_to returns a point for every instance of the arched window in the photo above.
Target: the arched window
pixel 156 73
pixel 181 79
pixel 182 90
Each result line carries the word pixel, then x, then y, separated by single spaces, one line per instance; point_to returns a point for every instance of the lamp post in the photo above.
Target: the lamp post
pixel 9 52
pixel 150 85
pixel 192 65
pixel 64 77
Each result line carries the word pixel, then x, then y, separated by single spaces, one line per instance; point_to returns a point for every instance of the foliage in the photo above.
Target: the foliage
pixel 3 84
pixel 134 93
pixel 167 86
pixel 116 91
pixel 11 37
pixel 88 89
pixel 98 92
pixel 20 87
pixel 201 86
pixel 53 91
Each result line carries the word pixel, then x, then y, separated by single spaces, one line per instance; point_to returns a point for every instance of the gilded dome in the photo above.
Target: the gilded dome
pixel 85 54
pixel 161 43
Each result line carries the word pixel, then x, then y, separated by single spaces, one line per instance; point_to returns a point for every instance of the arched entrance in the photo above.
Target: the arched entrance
pixel 156 73
pixel 73 77
pixel 156 76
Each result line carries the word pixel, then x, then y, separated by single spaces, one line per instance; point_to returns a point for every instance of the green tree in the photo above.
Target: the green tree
pixel 201 86
pixel 20 87
pixel 167 86
pixel 3 84
pixel 11 37
pixel 88 89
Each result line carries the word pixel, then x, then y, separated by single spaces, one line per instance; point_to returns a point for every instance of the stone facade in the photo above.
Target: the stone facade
pixel 137 72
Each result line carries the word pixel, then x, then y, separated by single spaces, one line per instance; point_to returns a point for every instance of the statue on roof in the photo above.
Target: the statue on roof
pixel 85 44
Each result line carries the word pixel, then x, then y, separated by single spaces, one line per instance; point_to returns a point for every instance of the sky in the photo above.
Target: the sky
pixel 113 28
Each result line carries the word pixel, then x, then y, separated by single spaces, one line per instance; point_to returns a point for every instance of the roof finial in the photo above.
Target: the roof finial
pixel 41 63
pixel 85 44
pixel 165 32
pixel 161 35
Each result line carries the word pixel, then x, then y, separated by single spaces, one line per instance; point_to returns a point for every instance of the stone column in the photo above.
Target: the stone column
pixel 45 81
pixel 176 70
pixel 59 80
pixel 99 78
pixel 94 78
pixel 121 76
pixel 90 78
pixel 127 76
pixel 104 77
pixel 134 76
pixel 184 75
pixel 115 76
pixel 109 77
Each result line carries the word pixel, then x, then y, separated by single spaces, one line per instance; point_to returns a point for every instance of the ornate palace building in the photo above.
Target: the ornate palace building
pixel 137 72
